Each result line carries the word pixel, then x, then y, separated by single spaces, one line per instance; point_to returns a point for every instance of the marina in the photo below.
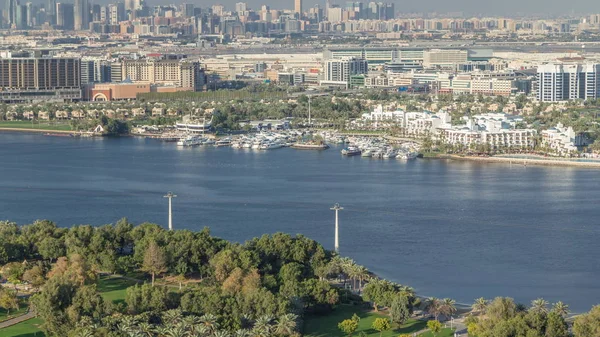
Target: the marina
pixel 365 146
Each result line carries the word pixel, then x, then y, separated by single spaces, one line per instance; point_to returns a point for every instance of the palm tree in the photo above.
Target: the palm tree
pixel 560 308
pixel 85 332
pixel 221 333
pixel 539 305
pixel 407 291
pixel 448 307
pixel 286 324
pixel 347 266
pixel 210 322
pixel 362 274
pixel 262 326
pixel 480 305
pixel 242 333
pixel 176 331
pixel 146 328
pixel 352 271
pixel 433 307
pixel 172 317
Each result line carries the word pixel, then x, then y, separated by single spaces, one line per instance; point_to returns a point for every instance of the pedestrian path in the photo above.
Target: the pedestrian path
pixel 10 322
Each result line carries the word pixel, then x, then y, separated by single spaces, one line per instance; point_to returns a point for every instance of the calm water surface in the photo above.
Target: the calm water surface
pixel 449 229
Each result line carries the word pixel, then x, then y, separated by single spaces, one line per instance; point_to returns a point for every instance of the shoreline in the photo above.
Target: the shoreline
pixel 37 130
pixel 524 161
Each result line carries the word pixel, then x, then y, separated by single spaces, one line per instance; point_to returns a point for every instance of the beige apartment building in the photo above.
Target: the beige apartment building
pixel 181 73
pixel 39 79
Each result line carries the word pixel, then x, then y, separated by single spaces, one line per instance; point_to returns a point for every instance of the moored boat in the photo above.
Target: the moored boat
pixel 308 146
pixel 351 151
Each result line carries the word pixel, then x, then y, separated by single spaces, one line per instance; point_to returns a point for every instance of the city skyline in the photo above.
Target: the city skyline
pixel 459 8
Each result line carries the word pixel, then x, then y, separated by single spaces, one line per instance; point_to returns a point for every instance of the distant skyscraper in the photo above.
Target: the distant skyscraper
pixel 389 11
pixel 65 16
pixel 20 16
pixel 10 11
pixel 298 8
pixel 51 12
pixel 29 14
pixel 188 10
pixel 96 12
pixel 116 13
pixel 218 10
pixel 104 14
pixel 82 14
pixel 334 13
pixel 241 7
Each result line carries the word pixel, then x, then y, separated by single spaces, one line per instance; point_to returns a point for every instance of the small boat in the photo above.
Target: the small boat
pixel 271 146
pixel 308 146
pixel 189 141
pixel 351 151
pixel 223 142
pixel 389 155
pixel 366 153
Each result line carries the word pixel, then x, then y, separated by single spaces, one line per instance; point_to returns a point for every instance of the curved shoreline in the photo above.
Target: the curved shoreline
pixel 525 161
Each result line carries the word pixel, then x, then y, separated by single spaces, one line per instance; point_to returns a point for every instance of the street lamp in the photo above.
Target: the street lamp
pixel 336 208
pixel 170 195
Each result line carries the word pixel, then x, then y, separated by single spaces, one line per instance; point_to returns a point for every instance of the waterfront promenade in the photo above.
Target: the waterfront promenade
pixel 529 160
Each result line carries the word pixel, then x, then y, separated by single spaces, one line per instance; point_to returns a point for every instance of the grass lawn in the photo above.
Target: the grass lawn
pixel 113 288
pixel 326 326
pixel 13 313
pixel 61 126
pixel 447 332
pixel 29 328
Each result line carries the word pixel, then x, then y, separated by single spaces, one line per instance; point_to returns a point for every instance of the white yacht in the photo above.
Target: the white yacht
pixel 223 142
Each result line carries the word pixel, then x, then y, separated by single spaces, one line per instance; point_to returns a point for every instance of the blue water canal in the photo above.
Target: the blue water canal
pixel 447 228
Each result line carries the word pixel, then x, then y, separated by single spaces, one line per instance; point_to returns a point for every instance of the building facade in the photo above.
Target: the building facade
pixel 181 73
pixel 39 78
pixel 562 82
pixel 341 70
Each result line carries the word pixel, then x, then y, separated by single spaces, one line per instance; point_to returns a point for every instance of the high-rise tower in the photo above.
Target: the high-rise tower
pixel 298 8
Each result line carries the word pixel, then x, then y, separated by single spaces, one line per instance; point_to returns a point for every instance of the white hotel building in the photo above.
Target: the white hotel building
pixel 496 130
pixel 563 139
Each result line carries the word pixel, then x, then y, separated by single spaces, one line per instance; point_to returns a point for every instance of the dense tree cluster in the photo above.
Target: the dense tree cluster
pixel 502 317
pixel 267 279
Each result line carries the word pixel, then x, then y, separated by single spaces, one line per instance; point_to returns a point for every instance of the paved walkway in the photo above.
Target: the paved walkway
pixel 457 324
pixel 17 320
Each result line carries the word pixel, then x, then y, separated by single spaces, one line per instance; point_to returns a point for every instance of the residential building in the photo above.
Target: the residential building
pixel 32 78
pixel 341 70
pixel 564 81
pixel 181 73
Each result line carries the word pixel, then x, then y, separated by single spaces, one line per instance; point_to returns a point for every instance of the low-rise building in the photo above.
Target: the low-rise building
pixel 563 140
